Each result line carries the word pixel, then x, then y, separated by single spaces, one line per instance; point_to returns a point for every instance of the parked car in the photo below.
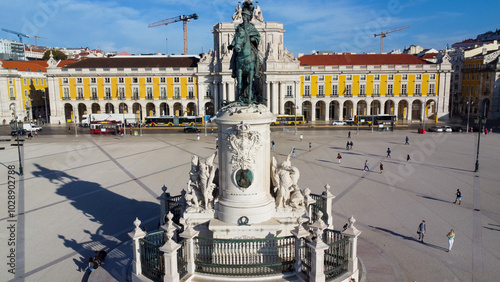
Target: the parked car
pixel 349 121
pixel 457 129
pixel 447 128
pixel 435 129
pixel 191 129
pixel 31 127
pixel 338 122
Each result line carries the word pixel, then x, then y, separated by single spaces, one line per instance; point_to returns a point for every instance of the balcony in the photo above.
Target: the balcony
pixel 376 95
pixel 107 98
pixel 177 97
pixel 191 97
pixel 348 95
pixel 389 95
pixel 289 96
pixel 163 96
pixel 94 97
pixel 362 95
pixel 135 97
pixel 403 95
pixel 417 94
pixel 149 97
pixel 321 95
pixel 12 98
pixel 334 95
pixel 431 94
pixel 66 98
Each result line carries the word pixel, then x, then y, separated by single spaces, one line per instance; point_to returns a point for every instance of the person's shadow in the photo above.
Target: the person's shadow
pixel 114 213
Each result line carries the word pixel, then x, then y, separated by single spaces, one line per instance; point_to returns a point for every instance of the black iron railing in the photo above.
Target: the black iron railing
pixel 152 262
pixel 337 255
pixel 244 257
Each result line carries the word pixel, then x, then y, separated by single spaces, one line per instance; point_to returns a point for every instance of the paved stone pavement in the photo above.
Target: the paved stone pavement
pixel 80 194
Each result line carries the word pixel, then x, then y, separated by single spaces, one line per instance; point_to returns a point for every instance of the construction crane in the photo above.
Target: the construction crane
pixel 36 44
pixel 384 34
pixel 20 35
pixel 185 19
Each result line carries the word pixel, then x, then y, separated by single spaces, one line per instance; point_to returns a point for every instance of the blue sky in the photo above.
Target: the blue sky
pixel 338 25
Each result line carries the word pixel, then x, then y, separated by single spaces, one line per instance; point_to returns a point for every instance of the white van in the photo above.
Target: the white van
pixel 31 127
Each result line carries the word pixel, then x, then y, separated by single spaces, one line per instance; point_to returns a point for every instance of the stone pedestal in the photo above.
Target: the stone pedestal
pixel 244 164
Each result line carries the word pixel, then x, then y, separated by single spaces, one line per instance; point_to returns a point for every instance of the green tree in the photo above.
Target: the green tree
pixel 58 55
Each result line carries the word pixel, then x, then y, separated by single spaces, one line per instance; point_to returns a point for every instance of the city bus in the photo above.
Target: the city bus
pixel 99 127
pixel 174 121
pixel 288 120
pixel 377 119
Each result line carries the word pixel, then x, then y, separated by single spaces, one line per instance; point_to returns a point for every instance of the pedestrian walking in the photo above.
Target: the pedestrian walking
pixel 293 152
pixel 349 134
pixel 36 133
pixel 347 146
pixel 351 144
pixel 272 145
pixel 198 137
pixel 451 239
pixel 408 159
pixel 367 166
pixel 459 197
pixel 421 231
pixel 486 131
pixel 301 137
pixel 407 140
pixel 30 135
pixel 381 167
pixel 388 152
pixel 310 146
pixel 217 143
pixel 339 157
pixel 69 129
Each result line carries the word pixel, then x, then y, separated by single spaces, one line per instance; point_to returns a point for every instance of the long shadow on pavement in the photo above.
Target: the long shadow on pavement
pixel 113 212
pixel 432 198
pixel 409 238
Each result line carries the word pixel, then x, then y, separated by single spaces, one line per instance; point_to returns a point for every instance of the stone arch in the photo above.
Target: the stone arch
pixel 137 109
pixel 306 110
pixel 389 107
pixel 191 109
pixel 96 108
pixel 289 108
pixel 209 109
pixel 122 108
pixel 347 111
pixel 109 108
pixel 362 107
pixel 402 110
pixel 375 107
pixel 416 110
pixel 178 109
pixel 430 108
pixel 320 110
pixel 68 111
pixel 82 110
pixel 164 109
pixel 150 110
pixel 334 110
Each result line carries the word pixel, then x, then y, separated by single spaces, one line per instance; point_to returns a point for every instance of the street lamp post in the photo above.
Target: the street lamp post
pixel 373 107
pixel 46 111
pixel 481 120
pixel 17 126
pixel 468 112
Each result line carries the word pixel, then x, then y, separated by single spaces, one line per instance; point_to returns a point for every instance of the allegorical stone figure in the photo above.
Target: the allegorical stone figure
pixel 245 61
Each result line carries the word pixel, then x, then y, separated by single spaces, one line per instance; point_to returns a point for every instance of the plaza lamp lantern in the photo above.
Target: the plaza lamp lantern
pixel 17 125
pixel 481 120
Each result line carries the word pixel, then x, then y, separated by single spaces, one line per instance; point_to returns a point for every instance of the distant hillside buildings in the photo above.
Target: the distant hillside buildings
pixel 325 86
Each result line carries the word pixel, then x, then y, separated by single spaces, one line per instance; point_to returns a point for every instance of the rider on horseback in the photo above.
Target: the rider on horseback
pixel 243 31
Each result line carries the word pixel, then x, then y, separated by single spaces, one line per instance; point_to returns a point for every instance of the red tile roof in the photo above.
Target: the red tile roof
pixel 32 66
pixel 360 59
pixel 429 56
pixel 136 62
